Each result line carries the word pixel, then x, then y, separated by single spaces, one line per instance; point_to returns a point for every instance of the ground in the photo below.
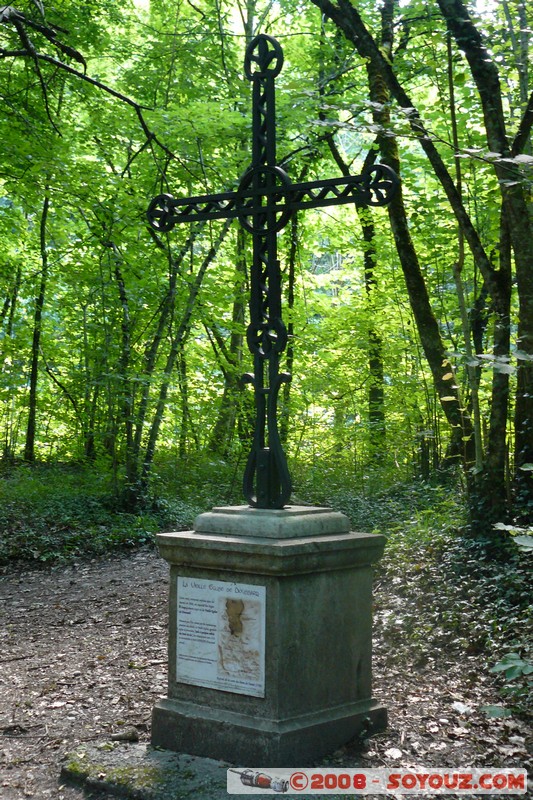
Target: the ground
pixel 83 659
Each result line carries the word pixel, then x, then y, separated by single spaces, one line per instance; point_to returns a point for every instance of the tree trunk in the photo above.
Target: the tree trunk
pixel 125 402
pixel 29 448
pixel 516 210
pixel 166 314
pixel 184 404
pixel 376 390
pixel 178 340
pixel 222 434
pixel 496 460
pixel 427 325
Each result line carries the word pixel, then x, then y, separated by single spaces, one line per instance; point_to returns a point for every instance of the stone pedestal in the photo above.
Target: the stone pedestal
pixel 270 636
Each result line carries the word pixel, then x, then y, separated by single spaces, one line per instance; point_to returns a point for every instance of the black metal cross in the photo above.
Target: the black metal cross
pixel 264 203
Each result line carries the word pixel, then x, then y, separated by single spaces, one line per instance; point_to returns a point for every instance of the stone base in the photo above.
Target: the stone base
pixel 312 691
pixel 260 743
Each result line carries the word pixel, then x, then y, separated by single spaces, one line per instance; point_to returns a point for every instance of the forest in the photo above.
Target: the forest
pixel 123 409
pixel 410 329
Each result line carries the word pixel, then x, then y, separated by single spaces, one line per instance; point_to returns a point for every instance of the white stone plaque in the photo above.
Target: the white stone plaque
pixel 221 635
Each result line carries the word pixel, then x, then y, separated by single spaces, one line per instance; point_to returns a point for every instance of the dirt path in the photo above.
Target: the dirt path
pixel 83 657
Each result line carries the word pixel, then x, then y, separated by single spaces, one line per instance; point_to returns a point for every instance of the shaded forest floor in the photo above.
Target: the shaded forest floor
pixel 83 658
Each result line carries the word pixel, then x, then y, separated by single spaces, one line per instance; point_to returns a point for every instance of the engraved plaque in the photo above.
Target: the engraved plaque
pixel 221 635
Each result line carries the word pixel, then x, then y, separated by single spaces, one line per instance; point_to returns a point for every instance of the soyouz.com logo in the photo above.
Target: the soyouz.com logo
pixel 362 781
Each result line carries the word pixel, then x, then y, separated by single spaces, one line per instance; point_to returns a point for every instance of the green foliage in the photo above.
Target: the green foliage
pixel 51 513
pixel 496 712
pixel 449 591
pixel 160 104
pixel 63 512
pixel 513 666
pixel 518 683
pixel 467 596
pixel 521 537
pixel 198 483
pixel 381 503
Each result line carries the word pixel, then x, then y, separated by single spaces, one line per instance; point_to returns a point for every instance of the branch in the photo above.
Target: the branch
pixel 32 52
pixel 138 108
pixel 61 385
pixel 198 11
pixel 20 20
pixel 11 15
pixel 133 156
pixel 215 339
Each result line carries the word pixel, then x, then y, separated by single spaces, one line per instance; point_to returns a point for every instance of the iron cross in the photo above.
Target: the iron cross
pixel 264 203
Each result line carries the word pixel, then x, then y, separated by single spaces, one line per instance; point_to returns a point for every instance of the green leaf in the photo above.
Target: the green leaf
pixel 501 526
pixel 513 672
pixel 524 543
pixel 496 712
pixel 501 666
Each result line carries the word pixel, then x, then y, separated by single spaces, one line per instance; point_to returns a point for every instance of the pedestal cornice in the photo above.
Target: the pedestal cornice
pixel 271 556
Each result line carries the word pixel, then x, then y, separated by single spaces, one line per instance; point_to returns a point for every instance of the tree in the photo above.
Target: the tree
pixel 515 228
pixel 127 377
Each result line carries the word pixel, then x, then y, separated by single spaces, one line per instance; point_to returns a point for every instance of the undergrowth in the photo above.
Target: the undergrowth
pixel 436 588
pixel 53 513
pixel 458 595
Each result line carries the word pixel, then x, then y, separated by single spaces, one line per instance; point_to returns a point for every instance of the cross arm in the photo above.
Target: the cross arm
pixel 166 211
pixel 374 187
